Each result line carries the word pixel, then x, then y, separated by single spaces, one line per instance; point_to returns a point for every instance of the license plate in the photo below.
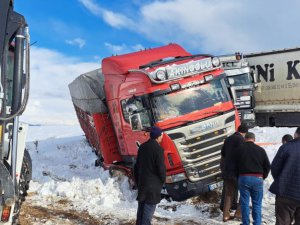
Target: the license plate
pixel 215 185
pixel 249 116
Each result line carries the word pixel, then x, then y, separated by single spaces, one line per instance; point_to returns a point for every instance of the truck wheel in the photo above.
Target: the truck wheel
pixel 117 172
pixel 272 121
pixel 99 162
pixel 25 178
pixel 26 173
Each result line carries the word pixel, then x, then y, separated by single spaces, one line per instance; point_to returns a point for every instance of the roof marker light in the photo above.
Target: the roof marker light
pixel 208 78
pixel 175 87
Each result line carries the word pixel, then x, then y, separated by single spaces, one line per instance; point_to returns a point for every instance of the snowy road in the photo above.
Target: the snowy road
pixel 68 189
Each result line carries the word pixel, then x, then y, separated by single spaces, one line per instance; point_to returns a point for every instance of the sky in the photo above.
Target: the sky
pixel 71 37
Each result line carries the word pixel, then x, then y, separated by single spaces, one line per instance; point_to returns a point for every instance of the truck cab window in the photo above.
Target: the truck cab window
pixel 135 113
pixel 240 80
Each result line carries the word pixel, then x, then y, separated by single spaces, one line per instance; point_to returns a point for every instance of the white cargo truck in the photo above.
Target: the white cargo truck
pixel 278 98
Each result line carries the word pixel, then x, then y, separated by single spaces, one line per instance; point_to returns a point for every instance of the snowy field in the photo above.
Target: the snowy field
pixel 68 189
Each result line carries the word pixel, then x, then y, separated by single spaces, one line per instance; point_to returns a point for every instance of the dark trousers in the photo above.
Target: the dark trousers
pixel 234 199
pixel 231 188
pixel 286 210
pixel 145 213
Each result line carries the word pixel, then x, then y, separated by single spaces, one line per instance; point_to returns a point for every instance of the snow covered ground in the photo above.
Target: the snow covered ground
pixel 68 189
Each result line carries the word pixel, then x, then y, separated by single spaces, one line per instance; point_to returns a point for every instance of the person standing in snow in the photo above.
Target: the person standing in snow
pixel 285 170
pixel 253 167
pixel 150 175
pixel 228 168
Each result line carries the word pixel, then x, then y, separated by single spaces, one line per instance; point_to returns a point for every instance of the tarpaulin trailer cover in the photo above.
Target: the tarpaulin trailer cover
pixel 87 92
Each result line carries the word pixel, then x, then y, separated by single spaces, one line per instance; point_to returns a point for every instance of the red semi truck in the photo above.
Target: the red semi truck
pixel 185 95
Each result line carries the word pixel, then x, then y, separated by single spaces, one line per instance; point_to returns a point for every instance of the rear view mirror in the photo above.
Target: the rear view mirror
pixel 254 77
pixel 258 87
pixel 135 122
pixel 131 108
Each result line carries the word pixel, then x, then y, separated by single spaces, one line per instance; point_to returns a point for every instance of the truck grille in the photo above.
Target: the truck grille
pixel 199 145
pixel 204 170
pixel 201 155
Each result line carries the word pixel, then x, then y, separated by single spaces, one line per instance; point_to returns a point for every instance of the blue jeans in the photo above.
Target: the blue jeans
pixel 251 186
pixel 145 213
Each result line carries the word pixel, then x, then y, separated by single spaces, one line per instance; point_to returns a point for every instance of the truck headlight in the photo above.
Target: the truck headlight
pixel 161 75
pixel 215 61
pixel 175 178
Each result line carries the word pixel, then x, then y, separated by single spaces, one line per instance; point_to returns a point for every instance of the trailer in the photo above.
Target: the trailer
pixel 278 99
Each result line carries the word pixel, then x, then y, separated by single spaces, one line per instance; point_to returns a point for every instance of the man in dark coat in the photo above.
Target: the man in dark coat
pixel 285 170
pixel 253 167
pixel 150 175
pixel 228 168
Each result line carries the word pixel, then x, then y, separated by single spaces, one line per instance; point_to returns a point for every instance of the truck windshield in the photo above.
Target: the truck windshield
pixel 240 80
pixel 185 101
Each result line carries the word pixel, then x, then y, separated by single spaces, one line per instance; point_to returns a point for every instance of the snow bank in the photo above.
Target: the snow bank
pixel 63 168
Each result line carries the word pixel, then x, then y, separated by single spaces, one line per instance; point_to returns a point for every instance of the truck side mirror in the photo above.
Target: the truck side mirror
pixel 135 122
pixel 131 108
pixel 233 93
pixel 258 87
pixel 254 78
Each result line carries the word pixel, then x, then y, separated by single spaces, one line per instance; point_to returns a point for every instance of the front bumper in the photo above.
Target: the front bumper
pixel 185 189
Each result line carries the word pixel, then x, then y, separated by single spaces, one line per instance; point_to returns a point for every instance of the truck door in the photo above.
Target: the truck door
pixel 136 123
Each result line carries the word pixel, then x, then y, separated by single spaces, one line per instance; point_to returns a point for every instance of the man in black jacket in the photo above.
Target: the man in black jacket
pixel 228 168
pixel 150 175
pixel 285 170
pixel 253 167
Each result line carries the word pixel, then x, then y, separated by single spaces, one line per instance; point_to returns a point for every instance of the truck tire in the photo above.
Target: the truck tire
pixel 27 162
pixel 25 178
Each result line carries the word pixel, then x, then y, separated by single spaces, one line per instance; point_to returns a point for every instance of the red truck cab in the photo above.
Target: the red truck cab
pixel 186 96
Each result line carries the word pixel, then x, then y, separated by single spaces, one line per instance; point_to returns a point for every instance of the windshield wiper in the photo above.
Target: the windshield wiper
pixel 218 112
